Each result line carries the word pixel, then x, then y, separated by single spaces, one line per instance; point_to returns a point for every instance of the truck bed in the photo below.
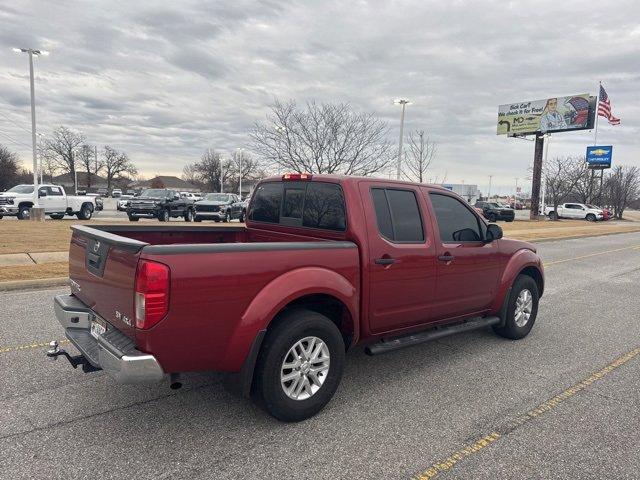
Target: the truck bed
pixel 216 275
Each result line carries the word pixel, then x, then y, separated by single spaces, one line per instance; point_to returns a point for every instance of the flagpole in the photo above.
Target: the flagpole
pixel 595 137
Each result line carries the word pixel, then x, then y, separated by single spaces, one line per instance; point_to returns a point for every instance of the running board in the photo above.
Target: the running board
pixel 422 337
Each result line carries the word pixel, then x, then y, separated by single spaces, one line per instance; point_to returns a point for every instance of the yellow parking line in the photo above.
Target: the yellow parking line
pixel 545 407
pixel 29 346
pixel 548 264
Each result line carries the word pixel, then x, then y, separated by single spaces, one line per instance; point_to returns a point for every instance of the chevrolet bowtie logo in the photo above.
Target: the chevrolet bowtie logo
pixel 599 152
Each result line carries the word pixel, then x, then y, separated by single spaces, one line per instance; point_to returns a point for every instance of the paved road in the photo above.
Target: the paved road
pixel 471 406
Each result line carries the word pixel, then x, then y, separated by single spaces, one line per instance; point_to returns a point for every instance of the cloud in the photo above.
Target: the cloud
pixel 164 83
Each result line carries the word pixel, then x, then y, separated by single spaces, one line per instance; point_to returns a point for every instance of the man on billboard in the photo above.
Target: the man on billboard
pixel 551 119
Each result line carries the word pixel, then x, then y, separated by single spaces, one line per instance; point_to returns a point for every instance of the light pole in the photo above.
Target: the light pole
pixel 240 155
pixel 31 53
pixel 404 102
pixel 489 193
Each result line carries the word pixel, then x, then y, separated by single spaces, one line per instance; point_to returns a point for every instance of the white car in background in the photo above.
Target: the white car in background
pixel 191 196
pixel 17 202
pixel 123 202
pixel 574 210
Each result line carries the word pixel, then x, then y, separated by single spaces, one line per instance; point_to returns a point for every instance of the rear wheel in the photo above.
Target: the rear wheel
pixel 492 217
pixel 164 216
pixel 521 310
pixel 85 213
pixel 300 365
pixel 188 216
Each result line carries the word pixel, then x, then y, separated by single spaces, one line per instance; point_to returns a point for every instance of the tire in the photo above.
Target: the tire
pixel 553 216
pixel 133 219
pixel 510 220
pixel 164 215
pixel 0 217
pixel 57 217
pixel 516 327
pixel 188 215
pixel 227 217
pixel 591 217
pixel 297 327
pixel 24 212
pixel 492 217
pixel 197 219
pixel 242 215
pixel 85 213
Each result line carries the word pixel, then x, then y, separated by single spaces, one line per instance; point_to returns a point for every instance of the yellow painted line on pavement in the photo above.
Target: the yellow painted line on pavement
pixel 30 346
pixel 545 407
pixel 556 262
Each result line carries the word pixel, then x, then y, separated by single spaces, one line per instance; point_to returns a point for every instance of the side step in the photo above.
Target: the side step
pixel 422 337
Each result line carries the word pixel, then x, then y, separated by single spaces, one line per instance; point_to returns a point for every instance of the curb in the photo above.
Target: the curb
pixel 576 237
pixel 33 284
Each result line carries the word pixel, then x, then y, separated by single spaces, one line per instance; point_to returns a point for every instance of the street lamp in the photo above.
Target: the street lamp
pixel 489 193
pixel 404 102
pixel 240 155
pixel 31 53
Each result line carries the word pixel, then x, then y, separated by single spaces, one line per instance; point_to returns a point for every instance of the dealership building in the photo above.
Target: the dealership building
pixel 466 191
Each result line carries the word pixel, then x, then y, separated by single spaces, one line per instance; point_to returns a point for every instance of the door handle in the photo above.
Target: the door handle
pixel 447 257
pixel 385 261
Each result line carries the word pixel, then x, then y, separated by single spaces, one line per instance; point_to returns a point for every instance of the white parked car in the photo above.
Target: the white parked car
pixel 17 202
pixel 124 202
pixel 191 196
pixel 574 210
pixel 116 192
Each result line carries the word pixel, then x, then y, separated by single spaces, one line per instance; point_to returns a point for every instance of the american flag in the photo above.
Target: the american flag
pixel 604 108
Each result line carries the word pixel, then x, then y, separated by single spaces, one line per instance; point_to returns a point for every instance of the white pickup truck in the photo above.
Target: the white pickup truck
pixel 574 210
pixel 17 202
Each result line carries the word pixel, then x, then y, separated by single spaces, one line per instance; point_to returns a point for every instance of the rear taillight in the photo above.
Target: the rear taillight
pixel 296 176
pixel 151 293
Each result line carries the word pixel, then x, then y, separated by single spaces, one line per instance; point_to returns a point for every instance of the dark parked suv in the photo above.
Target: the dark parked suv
pixel 160 203
pixel 493 212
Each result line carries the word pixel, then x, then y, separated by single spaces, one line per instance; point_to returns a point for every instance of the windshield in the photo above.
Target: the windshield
pixel 154 193
pixel 494 205
pixel 21 189
pixel 590 206
pixel 217 197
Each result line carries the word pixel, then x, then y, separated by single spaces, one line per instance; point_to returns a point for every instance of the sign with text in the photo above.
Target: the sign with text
pixel 599 156
pixel 556 114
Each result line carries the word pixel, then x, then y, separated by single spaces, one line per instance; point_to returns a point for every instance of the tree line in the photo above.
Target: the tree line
pixel 67 151
pixel 569 179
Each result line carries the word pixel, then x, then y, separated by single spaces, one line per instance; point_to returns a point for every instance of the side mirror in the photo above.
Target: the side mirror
pixel 42 194
pixel 494 232
pixel 176 197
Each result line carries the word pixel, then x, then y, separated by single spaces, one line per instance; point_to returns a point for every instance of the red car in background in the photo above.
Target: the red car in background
pixel 606 213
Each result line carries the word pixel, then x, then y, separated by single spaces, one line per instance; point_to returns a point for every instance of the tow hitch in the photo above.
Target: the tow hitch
pixel 55 351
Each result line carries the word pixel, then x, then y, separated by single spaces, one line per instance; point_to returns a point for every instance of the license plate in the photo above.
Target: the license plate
pixel 97 328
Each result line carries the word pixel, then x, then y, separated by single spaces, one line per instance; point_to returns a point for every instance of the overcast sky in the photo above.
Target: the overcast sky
pixel 165 82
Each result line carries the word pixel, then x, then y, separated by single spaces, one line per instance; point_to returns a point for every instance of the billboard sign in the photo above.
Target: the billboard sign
pixel 599 156
pixel 556 114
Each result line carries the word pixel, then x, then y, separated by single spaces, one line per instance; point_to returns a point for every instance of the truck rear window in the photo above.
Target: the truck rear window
pixel 301 204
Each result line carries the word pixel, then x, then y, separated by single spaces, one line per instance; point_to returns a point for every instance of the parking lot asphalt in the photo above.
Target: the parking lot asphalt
pixel 561 403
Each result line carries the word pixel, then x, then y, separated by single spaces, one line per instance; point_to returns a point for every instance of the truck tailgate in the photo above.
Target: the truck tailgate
pixel 102 270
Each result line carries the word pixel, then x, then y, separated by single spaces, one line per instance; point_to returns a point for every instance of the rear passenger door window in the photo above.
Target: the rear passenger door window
pixel 398 215
pixel 455 221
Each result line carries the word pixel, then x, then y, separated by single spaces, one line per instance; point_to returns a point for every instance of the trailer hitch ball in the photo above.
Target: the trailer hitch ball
pixel 54 350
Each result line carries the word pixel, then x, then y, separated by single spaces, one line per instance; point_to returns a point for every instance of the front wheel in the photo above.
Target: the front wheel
pixel 521 310
pixel 133 219
pixel 591 217
pixel 553 216
pixel 24 213
pixel 242 215
pixel 300 365
pixel 492 217
pixel 227 217
pixel 164 215
pixel 188 216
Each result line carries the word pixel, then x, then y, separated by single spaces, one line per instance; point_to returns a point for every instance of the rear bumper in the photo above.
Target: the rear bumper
pixel 113 352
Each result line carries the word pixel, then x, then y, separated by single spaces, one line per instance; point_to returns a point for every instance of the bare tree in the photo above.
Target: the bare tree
pixel 62 149
pixel 88 162
pixel 561 175
pixel 190 174
pixel 211 169
pixel 622 187
pixel 116 165
pixel 251 169
pixel 49 167
pixel 419 156
pixel 322 138
pixel 9 168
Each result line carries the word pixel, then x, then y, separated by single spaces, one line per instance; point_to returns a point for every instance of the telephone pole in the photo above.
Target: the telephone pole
pixel 404 103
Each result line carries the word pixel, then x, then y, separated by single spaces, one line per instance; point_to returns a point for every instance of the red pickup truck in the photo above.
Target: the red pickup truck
pixel 324 263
